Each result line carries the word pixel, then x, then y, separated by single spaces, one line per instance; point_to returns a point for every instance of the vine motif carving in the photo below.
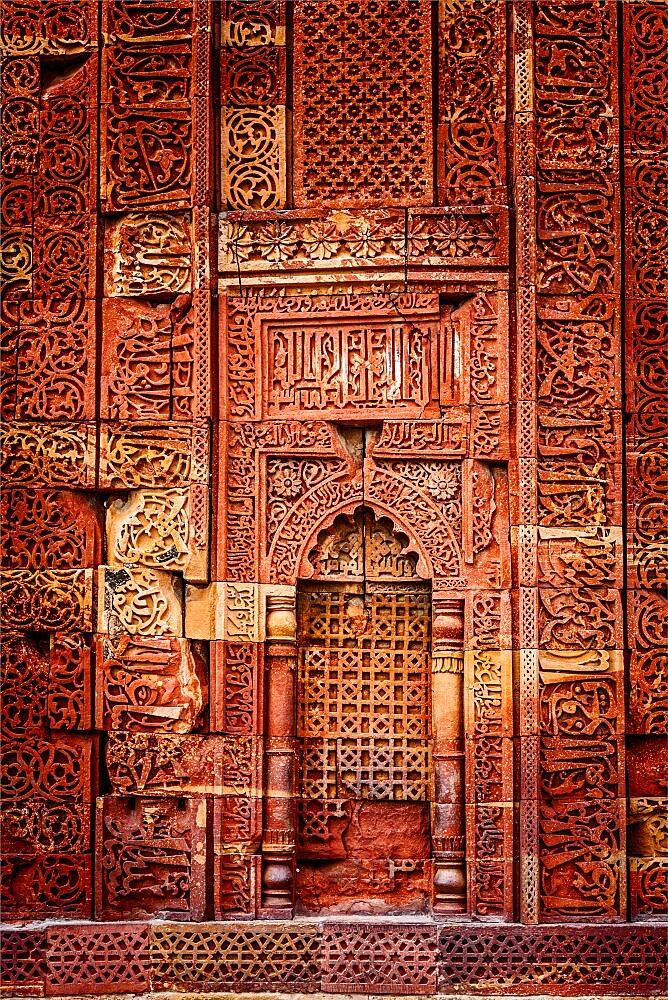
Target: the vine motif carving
pixel 147 126
pixel 152 529
pixel 153 455
pixel 44 600
pixel 646 233
pixel 648 887
pixel 59 27
pixel 149 255
pixel 159 765
pixel 150 358
pixel 139 601
pixel 25 684
pixel 48 886
pixel 253 142
pixel 254 98
pixel 57 771
pixel 147 684
pixel 471 110
pixel 52 358
pixel 47 454
pixel 47 529
pixel 648 698
pixel 289 479
pixel 579 618
pixel 70 682
pixel 234 705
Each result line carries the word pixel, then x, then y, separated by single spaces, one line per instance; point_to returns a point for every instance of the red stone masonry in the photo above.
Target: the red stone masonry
pixel 333 551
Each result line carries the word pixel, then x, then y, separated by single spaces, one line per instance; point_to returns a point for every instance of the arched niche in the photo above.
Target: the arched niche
pixel 375 704
pixel 389 493
pixel 360 545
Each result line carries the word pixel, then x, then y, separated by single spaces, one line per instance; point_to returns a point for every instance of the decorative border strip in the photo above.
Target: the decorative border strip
pixel 390 957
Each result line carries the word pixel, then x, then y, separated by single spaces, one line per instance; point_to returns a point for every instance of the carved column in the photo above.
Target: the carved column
pixel 448 755
pixel 278 843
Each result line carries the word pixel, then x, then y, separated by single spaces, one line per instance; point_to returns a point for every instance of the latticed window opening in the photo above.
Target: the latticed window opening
pixel 364 702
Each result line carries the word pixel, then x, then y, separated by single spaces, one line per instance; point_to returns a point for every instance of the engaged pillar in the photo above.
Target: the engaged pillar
pixel 447 822
pixel 278 842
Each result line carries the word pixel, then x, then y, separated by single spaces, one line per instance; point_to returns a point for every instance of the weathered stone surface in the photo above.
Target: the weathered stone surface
pixel 334 548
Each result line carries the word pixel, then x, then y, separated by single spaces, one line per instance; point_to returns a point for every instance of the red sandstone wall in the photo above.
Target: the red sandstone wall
pixel 333 293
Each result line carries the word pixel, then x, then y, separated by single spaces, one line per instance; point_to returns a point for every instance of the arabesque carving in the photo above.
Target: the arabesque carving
pixel 333 547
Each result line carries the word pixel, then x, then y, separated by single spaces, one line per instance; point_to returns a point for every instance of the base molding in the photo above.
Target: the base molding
pixel 391 957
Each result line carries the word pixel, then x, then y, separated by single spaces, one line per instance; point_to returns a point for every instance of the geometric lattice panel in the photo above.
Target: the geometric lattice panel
pixel 368 958
pixel 393 958
pixel 378 768
pixel 345 96
pixel 23 959
pixel 98 957
pixel 364 692
pixel 514 959
pixel 226 955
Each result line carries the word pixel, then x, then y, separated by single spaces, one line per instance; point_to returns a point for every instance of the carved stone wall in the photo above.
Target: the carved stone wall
pixel 645 223
pixel 333 552
pixel 568 469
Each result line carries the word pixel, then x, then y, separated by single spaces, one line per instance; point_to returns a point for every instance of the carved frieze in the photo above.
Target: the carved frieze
pixel 340 560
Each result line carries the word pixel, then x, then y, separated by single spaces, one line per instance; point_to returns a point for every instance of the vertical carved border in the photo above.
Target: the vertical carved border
pixel 488 714
pixel 555 481
pixel 471 134
pixel 51 538
pixel 524 467
pixel 253 106
pixel 646 175
pixel 645 30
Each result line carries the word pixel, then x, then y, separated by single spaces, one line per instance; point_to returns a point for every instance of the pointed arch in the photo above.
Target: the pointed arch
pixel 411 510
